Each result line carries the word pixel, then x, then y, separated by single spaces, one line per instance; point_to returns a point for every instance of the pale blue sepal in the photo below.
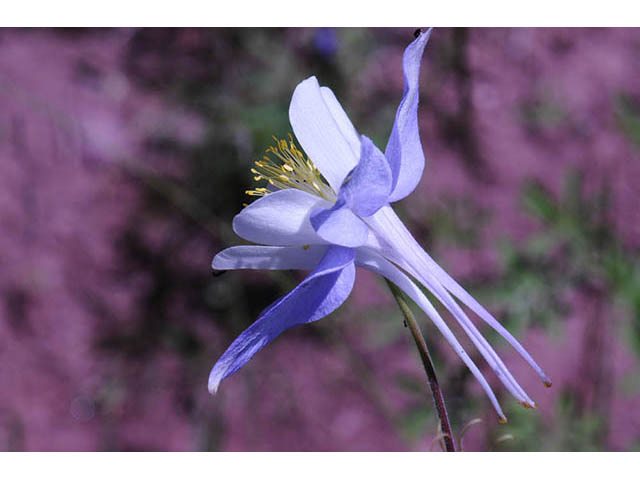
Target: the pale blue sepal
pixel 404 150
pixel 340 226
pixel 368 187
pixel 324 290
pixel 259 257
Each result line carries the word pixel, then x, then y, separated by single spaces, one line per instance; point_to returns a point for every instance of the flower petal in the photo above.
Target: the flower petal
pixel 324 290
pixel 372 261
pixel 485 349
pixel 258 257
pixel 454 287
pixel 342 119
pixel 370 184
pixel 340 226
pixel 280 218
pixel 320 134
pixel 399 246
pixel 404 150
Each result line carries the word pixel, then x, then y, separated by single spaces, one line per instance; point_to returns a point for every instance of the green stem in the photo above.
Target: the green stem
pixel 436 391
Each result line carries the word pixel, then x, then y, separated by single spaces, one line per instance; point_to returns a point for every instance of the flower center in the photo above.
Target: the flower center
pixel 285 166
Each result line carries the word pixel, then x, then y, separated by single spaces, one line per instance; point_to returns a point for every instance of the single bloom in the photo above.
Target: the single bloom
pixel 329 212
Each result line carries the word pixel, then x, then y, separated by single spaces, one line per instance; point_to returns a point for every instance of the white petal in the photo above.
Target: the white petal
pixel 450 284
pixel 319 133
pixel 485 349
pixel 342 119
pixel 408 254
pixel 258 257
pixel 403 249
pixel 280 218
pixel 372 261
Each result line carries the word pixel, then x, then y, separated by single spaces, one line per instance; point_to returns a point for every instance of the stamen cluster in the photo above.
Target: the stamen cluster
pixel 287 167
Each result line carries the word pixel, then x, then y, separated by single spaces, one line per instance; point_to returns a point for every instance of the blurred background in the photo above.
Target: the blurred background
pixel 124 155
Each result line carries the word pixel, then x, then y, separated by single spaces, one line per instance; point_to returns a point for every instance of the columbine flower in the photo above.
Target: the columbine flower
pixel 330 212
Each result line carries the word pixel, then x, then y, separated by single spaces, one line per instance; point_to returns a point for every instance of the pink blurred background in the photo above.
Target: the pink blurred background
pixel 124 155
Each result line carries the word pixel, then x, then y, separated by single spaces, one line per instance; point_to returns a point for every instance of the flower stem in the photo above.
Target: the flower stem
pixel 438 399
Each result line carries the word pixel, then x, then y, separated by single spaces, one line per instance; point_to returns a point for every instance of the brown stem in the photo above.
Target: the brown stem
pixel 438 399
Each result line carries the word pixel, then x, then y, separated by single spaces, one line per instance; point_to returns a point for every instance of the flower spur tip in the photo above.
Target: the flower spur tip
pixel 213 388
pixel 215 379
pixel 529 405
pixel 502 420
pixel 547 383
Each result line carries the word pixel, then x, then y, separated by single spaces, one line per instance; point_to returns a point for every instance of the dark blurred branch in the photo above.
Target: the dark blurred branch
pixel 177 196
pixel 459 127
pixel 429 369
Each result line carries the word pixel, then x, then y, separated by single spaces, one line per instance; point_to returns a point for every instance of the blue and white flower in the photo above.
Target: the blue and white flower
pixel 330 212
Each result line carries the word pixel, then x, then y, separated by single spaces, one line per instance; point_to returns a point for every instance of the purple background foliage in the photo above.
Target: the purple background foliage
pixel 124 154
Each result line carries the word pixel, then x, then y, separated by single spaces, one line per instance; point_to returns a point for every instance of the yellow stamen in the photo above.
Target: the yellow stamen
pixel 289 169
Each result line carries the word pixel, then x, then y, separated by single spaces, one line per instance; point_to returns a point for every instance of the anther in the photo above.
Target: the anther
pixel 289 168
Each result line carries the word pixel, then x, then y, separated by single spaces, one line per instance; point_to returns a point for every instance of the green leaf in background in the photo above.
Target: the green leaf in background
pixel 627 115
